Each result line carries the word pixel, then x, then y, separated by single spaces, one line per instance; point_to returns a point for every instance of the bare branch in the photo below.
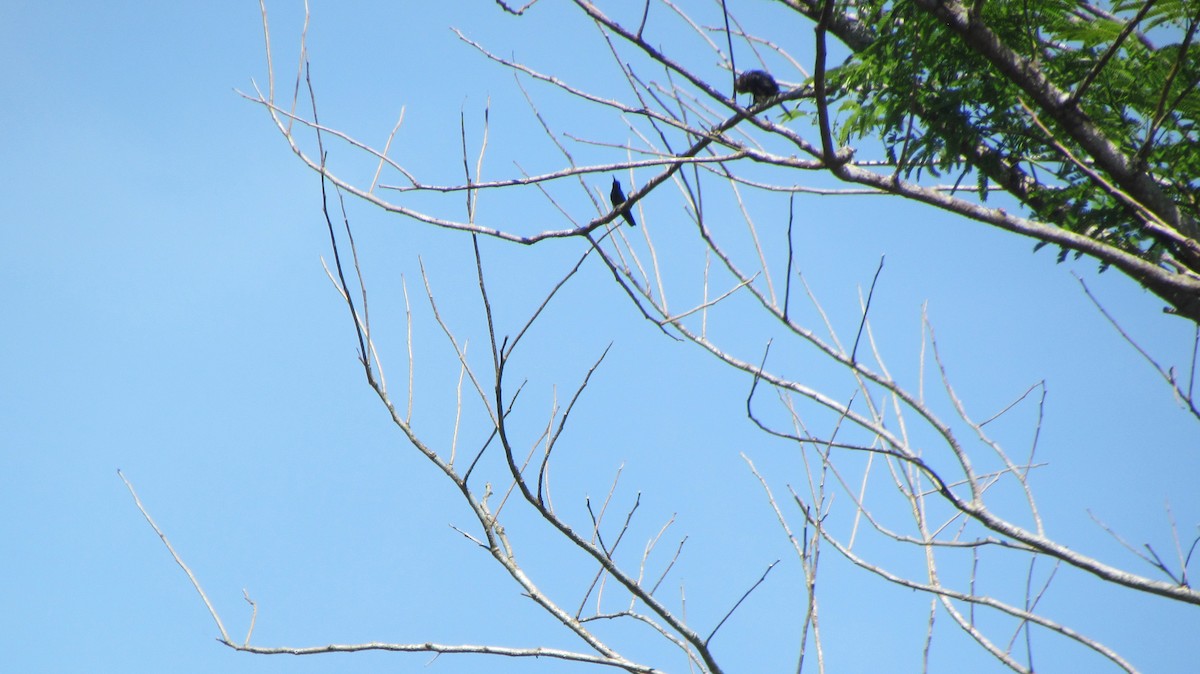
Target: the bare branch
pixel 178 560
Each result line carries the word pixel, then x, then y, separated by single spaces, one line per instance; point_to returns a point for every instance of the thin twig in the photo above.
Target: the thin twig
pixel 739 601
pixel 178 560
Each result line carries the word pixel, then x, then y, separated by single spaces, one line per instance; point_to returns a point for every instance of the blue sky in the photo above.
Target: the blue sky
pixel 166 314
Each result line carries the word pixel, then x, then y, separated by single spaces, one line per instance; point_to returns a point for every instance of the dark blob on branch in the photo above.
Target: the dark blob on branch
pixel 618 198
pixel 757 83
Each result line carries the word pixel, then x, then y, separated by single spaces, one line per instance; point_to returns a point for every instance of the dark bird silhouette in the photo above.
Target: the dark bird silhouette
pixel 757 83
pixel 618 198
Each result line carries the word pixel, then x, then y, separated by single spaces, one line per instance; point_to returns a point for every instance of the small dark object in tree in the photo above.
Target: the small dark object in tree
pixel 618 198
pixel 757 83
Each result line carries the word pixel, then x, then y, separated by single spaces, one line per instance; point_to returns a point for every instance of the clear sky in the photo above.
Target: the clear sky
pixel 165 313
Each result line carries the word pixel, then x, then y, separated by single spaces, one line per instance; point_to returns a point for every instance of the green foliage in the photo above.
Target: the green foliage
pixel 935 101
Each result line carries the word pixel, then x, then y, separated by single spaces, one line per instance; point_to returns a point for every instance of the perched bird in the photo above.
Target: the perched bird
pixel 757 83
pixel 618 198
